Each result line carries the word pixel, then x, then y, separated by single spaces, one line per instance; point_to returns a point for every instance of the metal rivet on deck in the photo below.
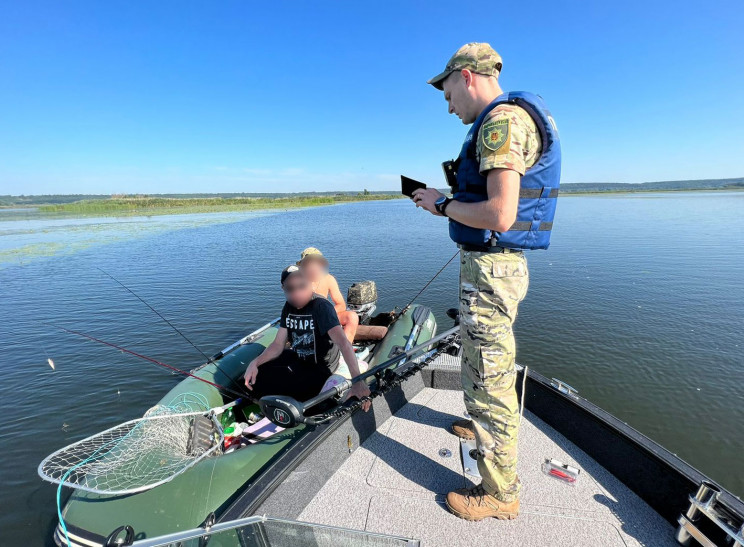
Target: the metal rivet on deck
pixel 445 453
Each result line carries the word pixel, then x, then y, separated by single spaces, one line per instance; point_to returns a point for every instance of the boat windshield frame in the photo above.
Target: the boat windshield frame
pixel 199 533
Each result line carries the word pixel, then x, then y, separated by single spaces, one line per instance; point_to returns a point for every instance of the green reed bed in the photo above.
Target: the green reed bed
pixel 163 206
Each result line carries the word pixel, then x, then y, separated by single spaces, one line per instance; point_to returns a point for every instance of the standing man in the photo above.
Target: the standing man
pixel 505 185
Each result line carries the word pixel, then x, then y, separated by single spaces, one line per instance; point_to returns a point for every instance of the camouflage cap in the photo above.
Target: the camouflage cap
pixel 479 57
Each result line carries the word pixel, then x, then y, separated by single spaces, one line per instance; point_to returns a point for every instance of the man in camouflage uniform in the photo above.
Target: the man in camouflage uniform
pixel 492 283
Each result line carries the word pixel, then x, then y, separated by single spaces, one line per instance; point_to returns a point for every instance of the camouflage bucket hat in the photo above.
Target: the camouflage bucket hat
pixel 311 254
pixel 310 251
pixel 478 57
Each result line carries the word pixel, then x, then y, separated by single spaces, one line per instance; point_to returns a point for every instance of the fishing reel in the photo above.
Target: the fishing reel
pixel 283 411
pixel 287 412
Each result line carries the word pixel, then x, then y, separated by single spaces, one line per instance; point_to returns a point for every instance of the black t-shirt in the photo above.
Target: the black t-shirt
pixel 308 332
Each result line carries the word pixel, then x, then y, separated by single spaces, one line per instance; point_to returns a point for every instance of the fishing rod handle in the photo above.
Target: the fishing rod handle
pixel 327 394
pixel 340 388
pixel 220 409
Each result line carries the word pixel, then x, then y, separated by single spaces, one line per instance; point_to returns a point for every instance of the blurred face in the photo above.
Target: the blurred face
pixel 298 290
pixel 460 96
pixel 313 270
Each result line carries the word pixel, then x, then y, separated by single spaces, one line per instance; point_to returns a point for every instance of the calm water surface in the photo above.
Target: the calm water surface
pixel 638 304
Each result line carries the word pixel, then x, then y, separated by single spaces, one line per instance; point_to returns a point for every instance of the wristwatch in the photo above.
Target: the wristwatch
pixel 441 204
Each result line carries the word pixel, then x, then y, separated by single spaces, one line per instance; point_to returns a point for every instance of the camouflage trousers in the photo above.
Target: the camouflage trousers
pixel 491 287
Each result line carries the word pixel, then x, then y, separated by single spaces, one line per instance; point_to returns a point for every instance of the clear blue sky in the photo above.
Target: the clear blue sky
pixel 113 96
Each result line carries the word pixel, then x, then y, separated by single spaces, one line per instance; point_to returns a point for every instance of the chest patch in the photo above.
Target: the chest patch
pixel 496 135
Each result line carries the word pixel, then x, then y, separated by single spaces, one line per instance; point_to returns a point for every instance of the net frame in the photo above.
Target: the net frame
pixel 77 463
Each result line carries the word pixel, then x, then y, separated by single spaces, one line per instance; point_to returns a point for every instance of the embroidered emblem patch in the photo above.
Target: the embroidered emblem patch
pixel 496 135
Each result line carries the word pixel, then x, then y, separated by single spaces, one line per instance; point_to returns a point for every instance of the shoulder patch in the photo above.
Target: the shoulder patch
pixel 496 135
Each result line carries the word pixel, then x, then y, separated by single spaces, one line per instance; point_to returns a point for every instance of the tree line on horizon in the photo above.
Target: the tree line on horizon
pixel 566 188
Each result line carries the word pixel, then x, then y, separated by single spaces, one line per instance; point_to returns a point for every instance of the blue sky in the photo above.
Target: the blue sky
pixel 151 97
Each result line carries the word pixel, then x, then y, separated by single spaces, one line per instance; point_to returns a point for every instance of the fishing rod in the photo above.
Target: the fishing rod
pixel 150 359
pixel 287 412
pixel 403 310
pixel 210 360
pixel 155 311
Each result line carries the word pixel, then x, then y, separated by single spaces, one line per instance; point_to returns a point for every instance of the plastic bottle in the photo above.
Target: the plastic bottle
pixel 227 418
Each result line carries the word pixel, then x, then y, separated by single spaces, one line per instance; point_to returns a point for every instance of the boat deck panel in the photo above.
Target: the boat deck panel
pixel 396 481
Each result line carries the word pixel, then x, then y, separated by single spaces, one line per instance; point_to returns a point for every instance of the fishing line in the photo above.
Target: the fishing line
pixel 155 311
pixel 429 282
pixel 150 359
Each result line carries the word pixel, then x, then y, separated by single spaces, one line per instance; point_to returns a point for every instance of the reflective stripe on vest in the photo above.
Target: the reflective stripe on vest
pixel 538 191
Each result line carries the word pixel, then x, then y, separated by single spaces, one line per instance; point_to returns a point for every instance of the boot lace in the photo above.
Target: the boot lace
pixel 477 493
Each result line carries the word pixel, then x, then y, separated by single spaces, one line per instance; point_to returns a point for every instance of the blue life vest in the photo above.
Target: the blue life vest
pixel 538 191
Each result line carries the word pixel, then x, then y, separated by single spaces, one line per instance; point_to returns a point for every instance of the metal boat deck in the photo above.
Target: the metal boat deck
pixel 395 483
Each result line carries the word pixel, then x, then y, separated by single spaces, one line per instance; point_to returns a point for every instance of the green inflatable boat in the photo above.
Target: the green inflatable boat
pixel 214 477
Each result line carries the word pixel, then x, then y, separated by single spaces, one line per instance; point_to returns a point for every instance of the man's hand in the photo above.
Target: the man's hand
pixel 360 390
pixel 425 198
pixel 250 374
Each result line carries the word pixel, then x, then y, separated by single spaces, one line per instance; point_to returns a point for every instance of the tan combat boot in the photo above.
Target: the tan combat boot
pixel 477 504
pixel 463 429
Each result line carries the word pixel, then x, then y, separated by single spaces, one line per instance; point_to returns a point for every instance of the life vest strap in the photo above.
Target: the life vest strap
pixel 535 193
pixel 524 226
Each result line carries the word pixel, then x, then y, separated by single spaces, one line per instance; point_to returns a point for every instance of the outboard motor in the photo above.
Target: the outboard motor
pixel 362 298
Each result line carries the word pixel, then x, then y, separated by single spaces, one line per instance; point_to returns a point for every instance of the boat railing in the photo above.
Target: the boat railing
pixel 704 509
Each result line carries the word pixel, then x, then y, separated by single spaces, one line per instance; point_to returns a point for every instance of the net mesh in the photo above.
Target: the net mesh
pixel 136 455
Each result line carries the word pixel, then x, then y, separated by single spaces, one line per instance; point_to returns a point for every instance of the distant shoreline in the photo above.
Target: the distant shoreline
pixel 668 191
pixel 79 206
pixel 152 206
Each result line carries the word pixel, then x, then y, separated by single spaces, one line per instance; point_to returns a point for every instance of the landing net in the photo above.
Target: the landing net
pixel 136 455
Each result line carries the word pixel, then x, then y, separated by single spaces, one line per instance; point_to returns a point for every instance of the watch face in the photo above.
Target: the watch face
pixel 440 200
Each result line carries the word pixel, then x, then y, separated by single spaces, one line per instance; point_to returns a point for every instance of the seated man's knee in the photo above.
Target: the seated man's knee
pixel 353 318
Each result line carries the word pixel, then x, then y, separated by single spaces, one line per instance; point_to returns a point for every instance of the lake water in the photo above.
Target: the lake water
pixel 639 304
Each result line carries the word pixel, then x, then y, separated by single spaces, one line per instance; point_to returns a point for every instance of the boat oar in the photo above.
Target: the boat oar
pixel 288 412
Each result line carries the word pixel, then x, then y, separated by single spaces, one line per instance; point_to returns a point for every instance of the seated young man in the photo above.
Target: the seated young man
pixel 316 342
pixel 315 267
